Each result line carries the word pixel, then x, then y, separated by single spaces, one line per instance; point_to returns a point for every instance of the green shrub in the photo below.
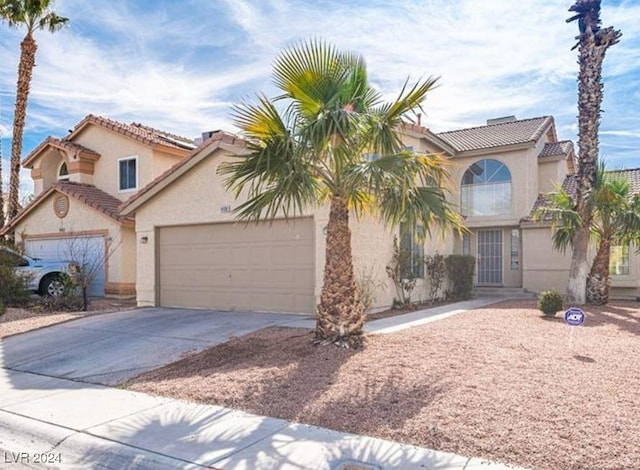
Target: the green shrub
pixel 460 273
pixel 3 309
pixel 14 288
pixel 550 302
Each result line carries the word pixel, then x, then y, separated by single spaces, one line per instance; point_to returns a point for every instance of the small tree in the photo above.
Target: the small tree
pixel 79 250
pixel 436 272
pixel 400 272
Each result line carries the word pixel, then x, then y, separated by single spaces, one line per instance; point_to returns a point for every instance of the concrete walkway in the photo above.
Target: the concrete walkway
pixel 422 317
pixel 84 425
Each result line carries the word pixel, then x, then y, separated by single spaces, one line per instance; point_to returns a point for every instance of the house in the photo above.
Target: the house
pixel 157 201
pixel 80 181
pixel 191 251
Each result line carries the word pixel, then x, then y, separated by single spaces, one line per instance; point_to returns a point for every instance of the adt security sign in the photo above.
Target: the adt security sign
pixel 574 316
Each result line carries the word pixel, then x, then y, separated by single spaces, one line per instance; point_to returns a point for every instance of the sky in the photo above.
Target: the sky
pixel 179 65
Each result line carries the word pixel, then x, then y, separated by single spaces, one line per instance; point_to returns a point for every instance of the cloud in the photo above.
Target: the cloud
pixel 180 65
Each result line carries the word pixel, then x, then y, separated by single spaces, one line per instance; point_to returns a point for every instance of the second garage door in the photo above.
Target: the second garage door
pixel 233 266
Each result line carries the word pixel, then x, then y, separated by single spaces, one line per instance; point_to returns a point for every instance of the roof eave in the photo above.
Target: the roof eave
pixel 138 200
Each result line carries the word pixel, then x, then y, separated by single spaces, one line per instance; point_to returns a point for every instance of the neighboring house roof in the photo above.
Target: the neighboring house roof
pixel 85 193
pixel 62 144
pixel 218 140
pixel 137 131
pixel 555 149
pixel 497 135
pixel 570 185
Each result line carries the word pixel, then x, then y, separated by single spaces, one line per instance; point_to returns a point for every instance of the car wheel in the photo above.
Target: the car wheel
pixel 52 286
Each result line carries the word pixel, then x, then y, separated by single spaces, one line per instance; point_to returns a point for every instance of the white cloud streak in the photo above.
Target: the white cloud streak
pixel 179 65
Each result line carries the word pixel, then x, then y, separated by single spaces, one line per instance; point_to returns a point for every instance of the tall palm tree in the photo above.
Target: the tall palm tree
pixel 33 15
pixel 593 42
pixel 1 182
pixel 330 138
pixel 615 217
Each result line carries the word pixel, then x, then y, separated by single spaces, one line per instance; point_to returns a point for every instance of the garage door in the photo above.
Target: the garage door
pixel 88 250
pixel 233 266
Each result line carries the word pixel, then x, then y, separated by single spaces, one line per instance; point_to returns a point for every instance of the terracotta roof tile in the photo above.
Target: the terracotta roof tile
pixel 145 134
pixel 93 197
pixel 555 149
pixel 62 144
pixel 497 135
pixel 85 193
pixel 218 136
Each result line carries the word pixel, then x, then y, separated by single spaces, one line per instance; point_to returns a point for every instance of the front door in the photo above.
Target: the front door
pixel 489 257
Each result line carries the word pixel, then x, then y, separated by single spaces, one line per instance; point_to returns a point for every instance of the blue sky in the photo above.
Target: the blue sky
pixel 180 65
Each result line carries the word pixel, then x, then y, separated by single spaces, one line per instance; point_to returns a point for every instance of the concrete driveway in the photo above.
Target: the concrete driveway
pixel 109 348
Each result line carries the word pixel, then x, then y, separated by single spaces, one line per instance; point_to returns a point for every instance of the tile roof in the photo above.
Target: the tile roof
pixel 145 134
pixel 219 136
pixel 570 185
pixel 497 135
pixel 555 149
pixel 63 144
pixel 85 193
pixel 93 197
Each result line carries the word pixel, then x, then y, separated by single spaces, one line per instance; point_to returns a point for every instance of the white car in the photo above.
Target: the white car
pixel 44 275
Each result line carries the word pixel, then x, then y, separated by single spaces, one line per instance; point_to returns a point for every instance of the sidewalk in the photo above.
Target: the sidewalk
pixel 83 425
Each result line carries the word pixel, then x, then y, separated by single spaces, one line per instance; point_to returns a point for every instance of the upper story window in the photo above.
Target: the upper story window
pixel 486 189
pixel 128 174
pixel 63 172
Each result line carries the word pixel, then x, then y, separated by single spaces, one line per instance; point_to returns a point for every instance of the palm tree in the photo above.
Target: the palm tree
pixel 615 217
pixel 593 42
pixel 33 15
pixel 330 138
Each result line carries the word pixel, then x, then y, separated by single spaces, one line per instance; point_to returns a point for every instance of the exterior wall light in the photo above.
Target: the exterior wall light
pixel 144 240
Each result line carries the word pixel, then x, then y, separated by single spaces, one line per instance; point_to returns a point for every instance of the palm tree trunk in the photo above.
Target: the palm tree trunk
pixel 598 279
pixel 340 316
pixel 28 48
pixel 593 43
pixel 1 191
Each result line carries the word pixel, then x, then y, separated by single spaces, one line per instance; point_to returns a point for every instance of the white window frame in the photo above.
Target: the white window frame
pixel 63 177
pixel 129 190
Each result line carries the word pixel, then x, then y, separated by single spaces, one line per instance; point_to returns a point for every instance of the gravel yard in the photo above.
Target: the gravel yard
pixel 503 383
pixel 21 320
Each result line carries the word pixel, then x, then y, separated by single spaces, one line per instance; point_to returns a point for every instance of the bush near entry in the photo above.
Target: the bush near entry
pixel 460 273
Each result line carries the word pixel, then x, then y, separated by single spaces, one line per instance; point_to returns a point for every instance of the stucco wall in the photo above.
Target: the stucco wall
pixel 543 267
pixel 112 147
pixel 42 222
pixel 199 196
pixel 551 173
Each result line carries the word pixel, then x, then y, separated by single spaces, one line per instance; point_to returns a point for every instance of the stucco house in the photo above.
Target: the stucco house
pixel 158 202
pixel 191 252
pixel 79 182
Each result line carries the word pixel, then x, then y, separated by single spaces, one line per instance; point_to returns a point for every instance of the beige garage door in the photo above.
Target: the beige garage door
pixel 233 266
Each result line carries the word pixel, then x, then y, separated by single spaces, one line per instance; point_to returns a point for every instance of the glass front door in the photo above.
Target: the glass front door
pixel 489 257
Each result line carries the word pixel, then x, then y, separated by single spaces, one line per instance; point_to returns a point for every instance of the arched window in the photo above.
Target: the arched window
pixel 486 189
pixel 63 172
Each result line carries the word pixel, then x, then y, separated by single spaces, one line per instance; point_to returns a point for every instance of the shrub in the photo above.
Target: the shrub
pixel 368 288
pixel 550 302
pixel 460 273
pixel 404 282
pixel 14 288
pixel 436 271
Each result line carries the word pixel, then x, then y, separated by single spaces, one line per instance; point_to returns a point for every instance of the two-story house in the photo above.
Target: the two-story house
pixel 80 181
pixel 192 253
